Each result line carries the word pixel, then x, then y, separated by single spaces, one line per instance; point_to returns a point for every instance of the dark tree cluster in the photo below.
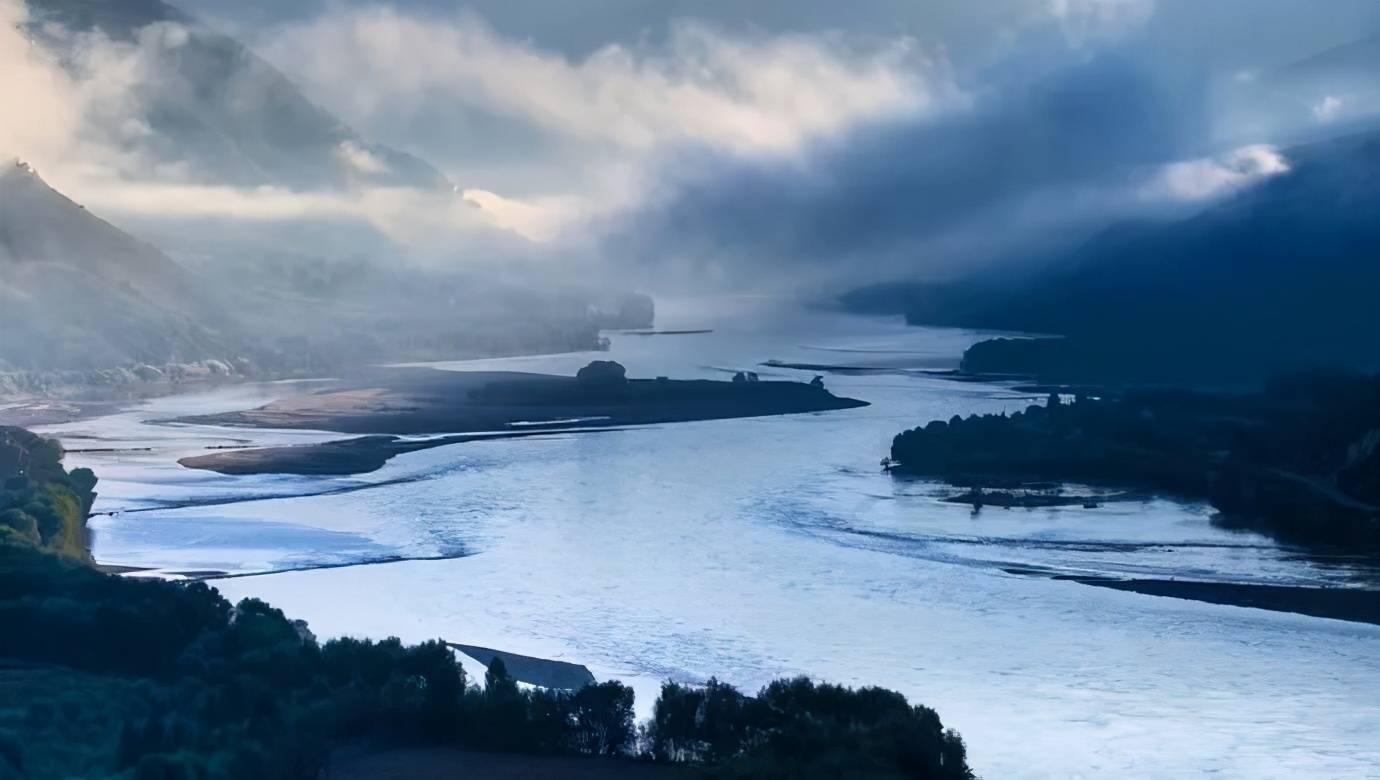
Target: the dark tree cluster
pixel 242 691
pixel 1086 441
pixel 1300 459
pixel 799 728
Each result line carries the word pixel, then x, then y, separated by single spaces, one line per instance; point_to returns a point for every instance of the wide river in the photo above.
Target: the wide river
pixel 751 549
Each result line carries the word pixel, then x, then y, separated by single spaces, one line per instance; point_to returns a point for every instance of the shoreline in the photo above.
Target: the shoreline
pixel 341 457
pixel 1351 605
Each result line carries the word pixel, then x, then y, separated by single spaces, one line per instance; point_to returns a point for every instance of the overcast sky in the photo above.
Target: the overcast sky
pixel 724 141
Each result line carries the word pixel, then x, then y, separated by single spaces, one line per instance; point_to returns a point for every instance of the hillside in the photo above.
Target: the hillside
pixel 1282 276
pixel 77 293
pixel 1278 277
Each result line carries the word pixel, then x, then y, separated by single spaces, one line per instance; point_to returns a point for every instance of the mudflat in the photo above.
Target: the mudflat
pixel 458 406
pixel 410 401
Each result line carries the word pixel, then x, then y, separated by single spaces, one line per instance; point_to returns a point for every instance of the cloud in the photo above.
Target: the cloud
pixel 43 109
pixel 362 159
pixel 746 93
pixel 540 220
pixel 84 122
pixel 1328 108
pixel 544 143
pixel 1026 165
pixel 1213 177
pixel 847 145
pixel 90 122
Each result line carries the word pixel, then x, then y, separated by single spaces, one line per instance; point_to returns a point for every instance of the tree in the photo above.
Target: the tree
pixel 603 373
pixel 23 526
pixel 603 718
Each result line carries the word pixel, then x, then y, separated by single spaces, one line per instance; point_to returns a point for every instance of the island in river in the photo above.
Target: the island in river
pixel 1299 460
pixel 389 403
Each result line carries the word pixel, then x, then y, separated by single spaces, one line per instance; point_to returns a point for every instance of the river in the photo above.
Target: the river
pixel 750 549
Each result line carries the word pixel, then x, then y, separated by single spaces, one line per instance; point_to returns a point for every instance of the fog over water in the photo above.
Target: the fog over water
pixel 750 549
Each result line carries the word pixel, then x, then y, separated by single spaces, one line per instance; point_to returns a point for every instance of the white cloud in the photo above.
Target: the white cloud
pixel 406 215
pixel 81 118
pixel 609 113
pixel 1328 108
pixel 86 125
pixel 541 219
pixel 74 124
pixel 748 94
pixel 1211 177
pixel 41 109
pixel 362 159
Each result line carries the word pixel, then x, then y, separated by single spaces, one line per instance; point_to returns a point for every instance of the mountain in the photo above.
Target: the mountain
pixel 1282 276
pixel 217 110
pixel 76 293
pixel 1334 85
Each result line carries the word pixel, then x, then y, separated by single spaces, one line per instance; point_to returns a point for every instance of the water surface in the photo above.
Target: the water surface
pixel 750 549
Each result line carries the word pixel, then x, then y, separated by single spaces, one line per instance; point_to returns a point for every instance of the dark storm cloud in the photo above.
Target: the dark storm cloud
pixel 903 196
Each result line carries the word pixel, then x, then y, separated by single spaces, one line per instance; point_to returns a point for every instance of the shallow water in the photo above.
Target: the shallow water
pixel 750 549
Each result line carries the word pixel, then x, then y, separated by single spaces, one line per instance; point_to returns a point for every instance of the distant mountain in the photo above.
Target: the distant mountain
pixel 1338 84
pixel 1284 275
pixel 221 112
pixel 77 293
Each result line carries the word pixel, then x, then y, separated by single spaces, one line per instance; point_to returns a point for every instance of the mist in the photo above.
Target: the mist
pixel 707 146
pixel 418 155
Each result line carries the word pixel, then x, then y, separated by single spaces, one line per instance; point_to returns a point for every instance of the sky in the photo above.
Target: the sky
pixel 728 144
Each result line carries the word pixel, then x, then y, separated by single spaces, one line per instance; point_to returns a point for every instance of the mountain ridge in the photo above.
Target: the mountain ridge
pixel 1283 275
pixel 221 110
pixel 78 293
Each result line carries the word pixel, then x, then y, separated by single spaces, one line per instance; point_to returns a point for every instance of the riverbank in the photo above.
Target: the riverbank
pixel 1353 605
pixel 345 457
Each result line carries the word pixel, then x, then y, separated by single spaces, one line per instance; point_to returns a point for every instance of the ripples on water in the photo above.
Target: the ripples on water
pixel 754 548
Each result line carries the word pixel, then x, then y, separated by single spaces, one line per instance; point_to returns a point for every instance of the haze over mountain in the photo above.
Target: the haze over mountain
pixel 77 293
pixel 277 214
pixel 792 148
pixel 215 111
pixel 1336 86
pixel 1283 275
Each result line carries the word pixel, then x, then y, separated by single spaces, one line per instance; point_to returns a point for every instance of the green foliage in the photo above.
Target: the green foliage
pixel 42 504
pixel 242 690
pixel 601 719
pixel 798 728
pixel 20 527
pixel 1287 461
pixel 698 724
